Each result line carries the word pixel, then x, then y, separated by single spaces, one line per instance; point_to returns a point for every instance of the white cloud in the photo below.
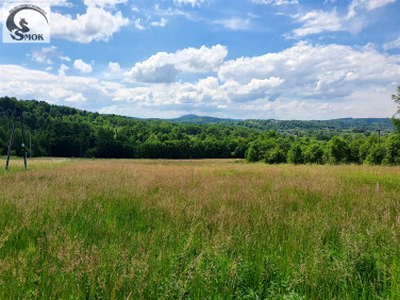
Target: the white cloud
pixel 59 3
pixel 104 3
pixel 80 65
pixel 235 23
pixel 113 72
pixel 316 22
pixel 366 5
pixel 193 3
pixel 114 67
pixel 46 54
pixel 316 71
pixel 31 84
pixel 138 25
pixel 62 69
pixel 302 82
pixel 162 23
pixel 164 67
pixel 76 98
pixel 96 24
pixel 392 45
pixel 276 2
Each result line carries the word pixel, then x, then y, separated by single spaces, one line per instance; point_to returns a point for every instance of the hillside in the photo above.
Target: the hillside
pixel 68 132
pixel 356 125
pixel 194 119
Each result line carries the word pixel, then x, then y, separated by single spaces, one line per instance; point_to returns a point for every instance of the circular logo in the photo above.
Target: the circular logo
pixel 20 31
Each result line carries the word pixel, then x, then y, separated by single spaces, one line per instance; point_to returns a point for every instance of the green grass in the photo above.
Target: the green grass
pixel 208 229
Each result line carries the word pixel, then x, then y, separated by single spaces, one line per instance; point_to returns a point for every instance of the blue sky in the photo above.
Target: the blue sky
pixel 264 59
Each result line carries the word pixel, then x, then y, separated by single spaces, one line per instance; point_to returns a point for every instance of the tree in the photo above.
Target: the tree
pixel 275 156
pixel 295 154
pixel 355 150
pixel 392 156
pixel 314 154
pixel 376 155
pixel 252 153
pixel 396 99
pixel 338 150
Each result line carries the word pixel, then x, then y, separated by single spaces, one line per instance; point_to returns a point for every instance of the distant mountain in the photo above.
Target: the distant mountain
pixel 194 119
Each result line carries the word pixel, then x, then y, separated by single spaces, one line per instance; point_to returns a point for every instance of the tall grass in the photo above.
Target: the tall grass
pixel 118 229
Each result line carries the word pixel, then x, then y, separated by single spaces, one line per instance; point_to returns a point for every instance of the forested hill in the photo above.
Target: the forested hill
pixel 359 125
pixel 65 131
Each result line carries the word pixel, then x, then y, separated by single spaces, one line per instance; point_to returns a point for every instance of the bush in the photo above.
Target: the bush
pixel 314 154
pixel 295 154
pixel 276 156
pixel 338 150
pixel 376 155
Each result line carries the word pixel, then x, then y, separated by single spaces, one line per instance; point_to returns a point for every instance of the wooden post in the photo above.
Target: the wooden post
pixel 9 145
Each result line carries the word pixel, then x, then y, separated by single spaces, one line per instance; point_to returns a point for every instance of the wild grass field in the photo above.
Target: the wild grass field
pixel 207 229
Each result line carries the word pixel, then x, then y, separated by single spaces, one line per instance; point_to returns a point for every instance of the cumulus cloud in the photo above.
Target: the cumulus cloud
pixel 316 71
pixel 312 74
pixel 114 67
pixel 312 81
pixel 62 69
pixel 164 67
pixel 76 98
pixel 80 65
pixel 54 88
pixel 96 24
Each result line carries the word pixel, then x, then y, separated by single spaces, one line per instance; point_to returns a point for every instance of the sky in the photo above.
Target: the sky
pixel 242 59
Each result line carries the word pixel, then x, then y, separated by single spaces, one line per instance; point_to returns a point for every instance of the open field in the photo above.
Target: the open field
pixel 118 229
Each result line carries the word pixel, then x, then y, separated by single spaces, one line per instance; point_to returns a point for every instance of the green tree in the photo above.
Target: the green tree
pixel 275 156
pixel 295 154
pixel 3 141
pixel 392 145
pixel 354 148
pixel 376 155
pixel 338 150
pixel 252 153
pixel 314 154
pixel 396 99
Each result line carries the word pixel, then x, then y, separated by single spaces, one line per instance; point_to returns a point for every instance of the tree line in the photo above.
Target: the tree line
pixel 68 132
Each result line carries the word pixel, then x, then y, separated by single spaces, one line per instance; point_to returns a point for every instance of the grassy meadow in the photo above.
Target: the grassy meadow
pixel 206 229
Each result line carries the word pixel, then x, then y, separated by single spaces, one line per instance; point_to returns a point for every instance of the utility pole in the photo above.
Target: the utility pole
pixel 379 136
pixel 18 113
